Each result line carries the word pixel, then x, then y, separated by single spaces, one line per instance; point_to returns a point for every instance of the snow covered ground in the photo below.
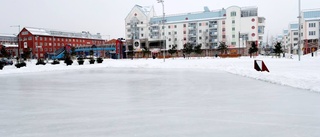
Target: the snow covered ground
pixel 150 98
pixel 302 74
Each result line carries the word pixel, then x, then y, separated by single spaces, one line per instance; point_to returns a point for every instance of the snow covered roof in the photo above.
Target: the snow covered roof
pixel 48 32
pixel 10 45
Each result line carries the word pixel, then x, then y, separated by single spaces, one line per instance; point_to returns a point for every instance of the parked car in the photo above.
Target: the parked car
pixel 6 61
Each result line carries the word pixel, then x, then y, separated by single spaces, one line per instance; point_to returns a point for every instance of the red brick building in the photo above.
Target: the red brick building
pixel 41 41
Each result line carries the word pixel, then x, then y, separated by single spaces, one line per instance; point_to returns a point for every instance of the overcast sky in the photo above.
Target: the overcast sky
pixel 107 16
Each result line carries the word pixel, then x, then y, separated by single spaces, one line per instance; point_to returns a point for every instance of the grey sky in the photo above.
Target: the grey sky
pixel 107 16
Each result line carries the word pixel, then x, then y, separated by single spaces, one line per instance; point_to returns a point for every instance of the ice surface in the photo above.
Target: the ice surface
pixel 125 102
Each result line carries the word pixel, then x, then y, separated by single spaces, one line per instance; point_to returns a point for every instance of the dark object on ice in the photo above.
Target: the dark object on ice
pixel 99 60
pixel 55 62
pixel 40 62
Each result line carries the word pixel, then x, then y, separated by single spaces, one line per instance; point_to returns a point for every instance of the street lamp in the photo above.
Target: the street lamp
pixel 299 39
pixel 18 38
pixel 164 52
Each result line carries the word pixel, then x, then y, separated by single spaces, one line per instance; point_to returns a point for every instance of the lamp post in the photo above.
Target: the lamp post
pixel 299 35
pixel 164 52
pixel 18 39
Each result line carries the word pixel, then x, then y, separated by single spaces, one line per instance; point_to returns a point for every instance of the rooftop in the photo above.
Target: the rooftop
pixel 49 32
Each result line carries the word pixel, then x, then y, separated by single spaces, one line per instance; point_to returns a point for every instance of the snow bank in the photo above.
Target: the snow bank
pixel 302 74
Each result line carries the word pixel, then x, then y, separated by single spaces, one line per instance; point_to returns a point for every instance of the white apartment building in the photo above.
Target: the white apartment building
pixel 238 27
pixel 291 37
pixel 311 30
pixel 310 33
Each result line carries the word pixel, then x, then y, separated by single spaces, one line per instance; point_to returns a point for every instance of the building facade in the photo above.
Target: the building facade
pixel 310 30
pixel 310 33
pixel 42 42
pixel 10 43
pixel 238 27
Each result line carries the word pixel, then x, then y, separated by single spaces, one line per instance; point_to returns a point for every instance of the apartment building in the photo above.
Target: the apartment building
pixel 237 26
pixel 310 33
pixel 311 30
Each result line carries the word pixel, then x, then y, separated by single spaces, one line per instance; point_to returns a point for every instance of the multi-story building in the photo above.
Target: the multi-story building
pixel 292 37
pixel 237 27
pixel 10 43
pixel 310 33
pixel 42 42
pixel 285 40
pixel 311 30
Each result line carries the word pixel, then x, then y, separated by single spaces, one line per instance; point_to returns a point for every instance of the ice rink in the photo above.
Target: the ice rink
pixel 123 102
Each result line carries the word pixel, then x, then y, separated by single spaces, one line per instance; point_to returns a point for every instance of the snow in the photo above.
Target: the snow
pixel 302 74
pixel 176 98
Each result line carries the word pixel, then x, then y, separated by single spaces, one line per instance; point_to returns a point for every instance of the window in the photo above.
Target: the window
pixel 200 38
pixel 169 33
pixel 169 26
pixel 233 28
pixel 223 22
pixel 200 31
pixel 312 25
pixel 141 35
pixel 169 39
pixel 58 39
pixel 233 21
pixel 141 29
pixel 200 24
pixel 233 43
pixel 184 32
pixel 40 38
pixel 175 26
pixel 175 39
pixel 233 36
pixel 30 38
pixel 207 24
pixel 141 22
pixel 223 29
pixel 312 33
pixel 36 38
pixel 184 25
pixel 295 33
pixel 45 38
pixel 49 39
pixel 175 33
pixel 233 14
pixel 223 36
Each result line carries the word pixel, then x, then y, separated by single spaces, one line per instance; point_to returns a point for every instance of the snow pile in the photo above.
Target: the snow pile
pixel 302 74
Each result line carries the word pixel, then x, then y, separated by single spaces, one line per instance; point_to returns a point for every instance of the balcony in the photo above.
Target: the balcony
pixel 213 26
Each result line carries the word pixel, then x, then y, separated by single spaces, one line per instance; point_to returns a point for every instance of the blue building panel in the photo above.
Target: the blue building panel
pixel 294 26
pixel 311 14
pixel 190 16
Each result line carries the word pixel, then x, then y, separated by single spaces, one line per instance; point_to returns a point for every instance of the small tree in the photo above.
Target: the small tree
pixel 198 50
pixel 91 53
pixel 223 48
pixel 278 49
pixel 73 51
pixel 253 48
pixel 173 50
pixel 187 49
pixel 130 52
pixel 146 51
pixel 4 52
pixel 27 53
